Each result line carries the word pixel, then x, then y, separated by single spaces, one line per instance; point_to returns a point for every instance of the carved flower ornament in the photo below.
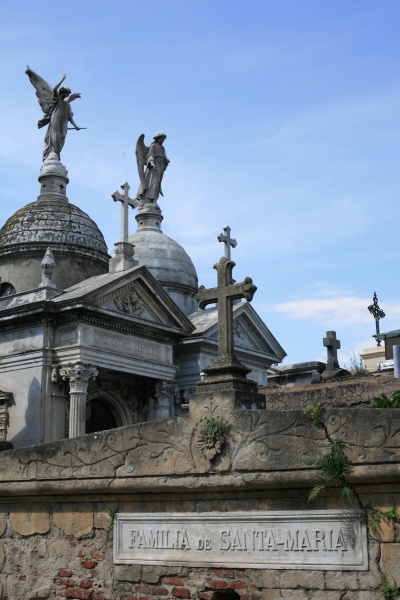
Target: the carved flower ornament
pixel 209 445
pixel 212 438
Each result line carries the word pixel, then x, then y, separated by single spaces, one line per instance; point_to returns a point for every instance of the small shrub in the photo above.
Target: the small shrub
pixel 313 412
pixel 216 427
pixel 334 465
pixel 357 368
pixel 390 590
pixel 383 401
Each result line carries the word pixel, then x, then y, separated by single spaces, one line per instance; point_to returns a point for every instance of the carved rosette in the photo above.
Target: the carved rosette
pixel 210 445
pixel 78 376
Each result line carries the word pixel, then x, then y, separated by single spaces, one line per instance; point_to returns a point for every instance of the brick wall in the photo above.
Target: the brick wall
pixel 353 392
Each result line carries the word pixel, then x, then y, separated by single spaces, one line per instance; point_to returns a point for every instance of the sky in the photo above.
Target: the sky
pixel 283 122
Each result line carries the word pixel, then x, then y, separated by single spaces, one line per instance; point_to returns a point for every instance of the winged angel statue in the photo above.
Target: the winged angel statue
pixel 55 103
pixel 151 163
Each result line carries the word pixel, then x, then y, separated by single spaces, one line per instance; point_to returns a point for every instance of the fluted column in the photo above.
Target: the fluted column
pixel 78 376
pixel 58 405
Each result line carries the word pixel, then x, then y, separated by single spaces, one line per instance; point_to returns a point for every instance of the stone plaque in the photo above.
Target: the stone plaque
pixel 319 539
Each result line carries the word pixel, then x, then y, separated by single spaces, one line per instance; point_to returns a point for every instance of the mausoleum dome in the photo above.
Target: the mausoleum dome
pixel 169 263
pixel 77 243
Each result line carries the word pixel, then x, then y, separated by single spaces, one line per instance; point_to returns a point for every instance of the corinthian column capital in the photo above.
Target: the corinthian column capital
pixel 78 375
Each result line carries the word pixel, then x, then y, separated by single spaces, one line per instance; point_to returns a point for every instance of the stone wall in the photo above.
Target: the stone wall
pixel 354 392
pixel 64 550
pixel 57 502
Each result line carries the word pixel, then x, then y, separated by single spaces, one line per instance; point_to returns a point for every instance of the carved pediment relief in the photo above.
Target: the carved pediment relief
pixel 129 302
pixel 245 336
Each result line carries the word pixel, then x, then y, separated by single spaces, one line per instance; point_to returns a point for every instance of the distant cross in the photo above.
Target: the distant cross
pixel 228 241
pixel 126 202
pixel 377 313
pixel 224 294
pixel 332 346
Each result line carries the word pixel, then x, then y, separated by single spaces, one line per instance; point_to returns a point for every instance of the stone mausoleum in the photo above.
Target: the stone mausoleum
pixel 168 496
pixel 90 342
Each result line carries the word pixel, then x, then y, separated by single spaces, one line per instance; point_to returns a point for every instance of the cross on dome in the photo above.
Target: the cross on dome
pixel 126 202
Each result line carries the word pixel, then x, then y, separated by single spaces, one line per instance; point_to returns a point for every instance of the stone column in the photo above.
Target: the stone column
pixel 78 376
pixel 58 405
pixel 162 400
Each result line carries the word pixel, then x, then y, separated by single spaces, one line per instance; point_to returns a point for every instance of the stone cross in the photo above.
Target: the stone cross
pixel 126 202
pixel 228 241
pixel 224 294
pixel 377 313
pixel 332 346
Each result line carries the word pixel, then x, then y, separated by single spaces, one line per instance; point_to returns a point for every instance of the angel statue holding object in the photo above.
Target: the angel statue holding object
pixel 155 160
pixel 55 103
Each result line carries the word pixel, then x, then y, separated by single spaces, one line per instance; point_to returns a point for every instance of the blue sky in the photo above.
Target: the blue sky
pixel 282 122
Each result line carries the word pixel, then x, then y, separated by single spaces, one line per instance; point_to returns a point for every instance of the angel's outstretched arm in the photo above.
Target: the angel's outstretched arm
pixel 55 88
pixel 71 120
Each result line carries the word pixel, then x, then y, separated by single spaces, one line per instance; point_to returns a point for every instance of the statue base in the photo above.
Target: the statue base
pixel 149 215
pixel 53 179
pixel 226 380
pixel 123 258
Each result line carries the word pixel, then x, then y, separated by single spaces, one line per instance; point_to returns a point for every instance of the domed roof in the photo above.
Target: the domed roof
pixel 165 258
pixel 52 221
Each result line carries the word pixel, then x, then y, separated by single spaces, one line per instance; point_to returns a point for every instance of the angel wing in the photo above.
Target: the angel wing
pixel 141 156
pixel 44 91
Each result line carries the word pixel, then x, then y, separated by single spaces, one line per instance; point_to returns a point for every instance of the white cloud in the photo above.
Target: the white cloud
pixel 332 308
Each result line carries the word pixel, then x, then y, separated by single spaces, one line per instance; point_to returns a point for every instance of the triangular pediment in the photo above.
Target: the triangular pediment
pixel 250 332
pixel 133 294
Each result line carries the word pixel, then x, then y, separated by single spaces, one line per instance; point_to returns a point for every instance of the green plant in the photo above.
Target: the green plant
pixel 373 517
pixel 111 513
pixel 334 465
pixel 313 412
pixel 216 426
pixel 383 401
pixel 390 590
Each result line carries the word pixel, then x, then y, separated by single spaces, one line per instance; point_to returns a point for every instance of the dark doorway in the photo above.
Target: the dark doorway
pixel 99 416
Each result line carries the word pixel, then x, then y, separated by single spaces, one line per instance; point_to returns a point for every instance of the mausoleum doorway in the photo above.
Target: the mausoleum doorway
pixel 100 416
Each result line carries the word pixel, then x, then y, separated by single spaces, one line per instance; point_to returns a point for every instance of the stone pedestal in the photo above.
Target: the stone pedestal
pixel 227 385
pixel 123 258
pixel 78 376
pixel 53 179
pixel 372 357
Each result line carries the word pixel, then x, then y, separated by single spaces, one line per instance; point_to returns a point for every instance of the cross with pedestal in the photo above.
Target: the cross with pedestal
pixel 228 241
pixel 224 294
pixel 377 313
pixel 126 202
pixel 332 346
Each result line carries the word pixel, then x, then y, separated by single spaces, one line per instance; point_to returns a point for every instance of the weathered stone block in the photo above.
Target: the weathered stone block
pixel 271 595
pixel 129 573
pixel 40 594
pixel 390 561
pixel 74 519
pixel 264 578
pixel 26 521
pixel 341 580
pixel 102 519
pixel 296 594
pixel 305 579
pixel 1 553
